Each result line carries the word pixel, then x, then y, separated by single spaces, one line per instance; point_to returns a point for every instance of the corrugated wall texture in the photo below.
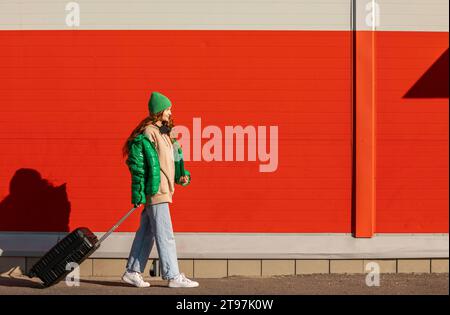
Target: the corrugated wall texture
pixel 412 15
pixel 412 131
pixel 69 100
pixel 399 15
pixel 178 14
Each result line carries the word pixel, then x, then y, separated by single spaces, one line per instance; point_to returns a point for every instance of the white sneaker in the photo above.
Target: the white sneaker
pixel 135 278
pixel 182 282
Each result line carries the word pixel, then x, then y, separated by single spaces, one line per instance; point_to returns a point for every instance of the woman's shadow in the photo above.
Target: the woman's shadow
pixel 34 204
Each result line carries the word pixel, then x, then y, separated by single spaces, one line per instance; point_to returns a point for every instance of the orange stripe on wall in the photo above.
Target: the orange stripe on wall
pixel 365 134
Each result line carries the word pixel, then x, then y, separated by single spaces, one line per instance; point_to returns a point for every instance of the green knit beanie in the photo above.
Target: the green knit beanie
pixel 158 103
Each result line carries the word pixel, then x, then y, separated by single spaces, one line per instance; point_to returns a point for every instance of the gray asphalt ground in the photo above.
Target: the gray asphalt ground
pixel 392 284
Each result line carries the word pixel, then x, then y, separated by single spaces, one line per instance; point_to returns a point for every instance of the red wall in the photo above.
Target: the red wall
pixel 412 132
pixel 69 99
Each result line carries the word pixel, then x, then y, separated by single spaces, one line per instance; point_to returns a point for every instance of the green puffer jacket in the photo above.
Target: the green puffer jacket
pixel 143 163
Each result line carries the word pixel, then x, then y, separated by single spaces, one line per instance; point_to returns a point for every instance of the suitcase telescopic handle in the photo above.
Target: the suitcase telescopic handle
pixel 105 236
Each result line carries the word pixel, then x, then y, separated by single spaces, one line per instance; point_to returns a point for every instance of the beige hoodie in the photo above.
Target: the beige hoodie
pixel 164 148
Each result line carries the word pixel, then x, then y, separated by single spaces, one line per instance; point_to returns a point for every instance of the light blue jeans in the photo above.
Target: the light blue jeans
pixel 156 225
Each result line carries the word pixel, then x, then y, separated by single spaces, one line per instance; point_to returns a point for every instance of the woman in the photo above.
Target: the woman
pixel 154 159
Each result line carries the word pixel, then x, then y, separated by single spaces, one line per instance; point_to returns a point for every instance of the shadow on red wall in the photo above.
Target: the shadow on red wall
pixel 434 82
pixel 34 204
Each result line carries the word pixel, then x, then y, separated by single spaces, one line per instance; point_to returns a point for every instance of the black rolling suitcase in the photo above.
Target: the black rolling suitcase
pixel 74 248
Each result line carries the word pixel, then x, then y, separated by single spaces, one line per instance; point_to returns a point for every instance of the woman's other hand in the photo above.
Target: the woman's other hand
pixel 184 179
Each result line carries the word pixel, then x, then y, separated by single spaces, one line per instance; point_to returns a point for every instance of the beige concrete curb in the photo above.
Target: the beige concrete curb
pixel 221 268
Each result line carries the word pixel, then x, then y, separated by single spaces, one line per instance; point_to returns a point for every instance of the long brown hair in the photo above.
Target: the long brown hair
pixel 152 119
